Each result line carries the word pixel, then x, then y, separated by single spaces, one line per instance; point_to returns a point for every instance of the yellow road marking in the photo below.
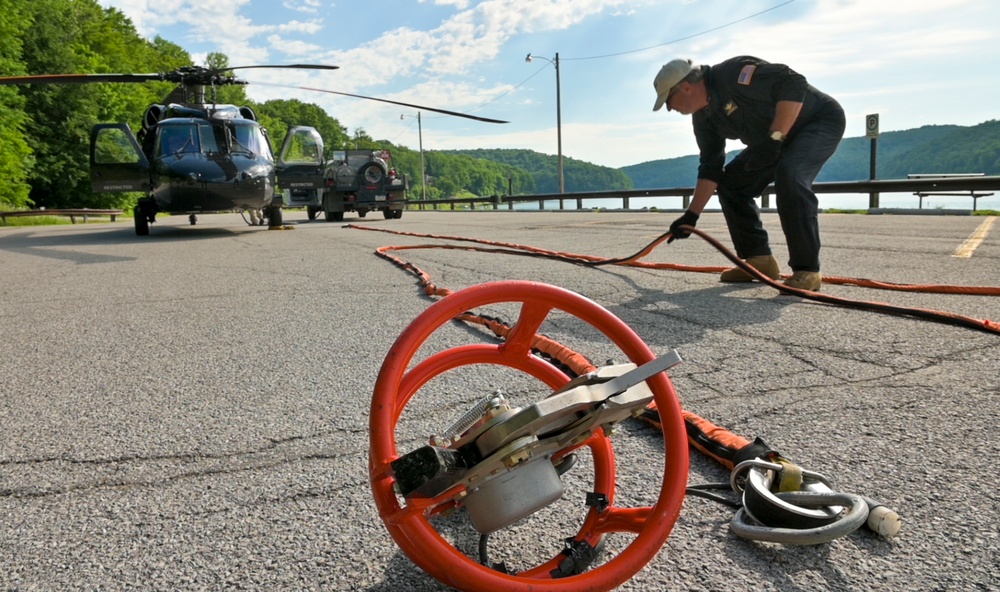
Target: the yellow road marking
pixel 970 245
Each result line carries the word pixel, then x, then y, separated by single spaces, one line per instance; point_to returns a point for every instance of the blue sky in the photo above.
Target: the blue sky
pixel 918 62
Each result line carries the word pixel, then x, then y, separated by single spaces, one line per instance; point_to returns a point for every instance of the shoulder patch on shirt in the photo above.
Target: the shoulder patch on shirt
pixel 746 74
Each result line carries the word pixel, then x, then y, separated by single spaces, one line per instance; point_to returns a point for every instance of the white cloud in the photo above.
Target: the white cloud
pixel 308 27
pixel 293 48
pixel 459 4
pixel 308 6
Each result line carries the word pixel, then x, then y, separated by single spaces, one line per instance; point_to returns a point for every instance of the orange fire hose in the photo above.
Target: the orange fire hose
pixel 500 247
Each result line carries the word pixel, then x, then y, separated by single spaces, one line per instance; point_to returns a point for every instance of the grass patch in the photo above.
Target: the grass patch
pixel 843 211
pixel 60 220
pixel 986 213
pixel 38 221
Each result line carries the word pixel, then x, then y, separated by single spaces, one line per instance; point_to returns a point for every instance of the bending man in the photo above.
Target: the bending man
pixel 790 130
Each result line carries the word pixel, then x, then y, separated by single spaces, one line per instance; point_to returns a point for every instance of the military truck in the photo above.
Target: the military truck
pixel 351 181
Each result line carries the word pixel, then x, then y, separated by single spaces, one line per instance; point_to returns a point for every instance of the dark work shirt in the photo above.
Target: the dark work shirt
pixel 743 93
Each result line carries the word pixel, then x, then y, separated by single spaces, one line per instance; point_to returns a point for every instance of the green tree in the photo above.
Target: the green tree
pixel 79 36
pixel 233 94
pixel 15 155
pixel 279 115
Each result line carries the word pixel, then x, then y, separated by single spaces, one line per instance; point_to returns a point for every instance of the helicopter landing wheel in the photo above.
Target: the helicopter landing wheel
pixel 193 219
pixel 141 222
pixel 409 519
pixel 274 218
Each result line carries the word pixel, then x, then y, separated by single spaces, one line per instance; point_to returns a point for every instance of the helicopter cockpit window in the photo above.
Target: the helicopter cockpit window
pixel 209 139
pixel 112 146
pixel 250 138
pixel 179 139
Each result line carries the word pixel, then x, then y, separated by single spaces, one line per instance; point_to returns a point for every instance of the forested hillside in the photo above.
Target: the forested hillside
pixel 544 170
pixel 929 149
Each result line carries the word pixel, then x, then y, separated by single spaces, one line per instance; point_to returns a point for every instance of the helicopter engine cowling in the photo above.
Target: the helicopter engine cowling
pixel 154 113
pixel 248 113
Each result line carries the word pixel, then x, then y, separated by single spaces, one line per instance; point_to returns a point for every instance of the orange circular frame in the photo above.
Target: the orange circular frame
pixel 410 526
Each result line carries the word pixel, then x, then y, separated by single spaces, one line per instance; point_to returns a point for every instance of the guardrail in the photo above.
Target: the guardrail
pixel 72 213
pixel 872 187
pixel 975 195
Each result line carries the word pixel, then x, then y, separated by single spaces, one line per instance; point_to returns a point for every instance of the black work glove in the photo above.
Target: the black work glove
pixel 688 218
pixel 763 156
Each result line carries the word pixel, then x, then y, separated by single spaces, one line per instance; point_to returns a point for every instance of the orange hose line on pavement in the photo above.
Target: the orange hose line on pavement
pixel 633 261
pixel 713 436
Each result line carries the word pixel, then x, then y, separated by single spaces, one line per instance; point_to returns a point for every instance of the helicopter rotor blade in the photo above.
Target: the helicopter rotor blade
pixel 188 74
pixel 297 66
pixel 79 78
pixel 414 106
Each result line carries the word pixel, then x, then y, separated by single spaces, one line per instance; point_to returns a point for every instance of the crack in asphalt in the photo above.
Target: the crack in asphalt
pixel 233 463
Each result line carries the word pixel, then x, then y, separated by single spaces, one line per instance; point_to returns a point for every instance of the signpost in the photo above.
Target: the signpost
pixel 871 131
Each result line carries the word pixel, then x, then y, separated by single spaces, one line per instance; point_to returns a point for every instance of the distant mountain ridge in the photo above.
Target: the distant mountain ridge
pixel 927 149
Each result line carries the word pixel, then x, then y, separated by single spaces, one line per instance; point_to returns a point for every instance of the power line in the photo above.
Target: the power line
pixel 611 55
pixel 705 32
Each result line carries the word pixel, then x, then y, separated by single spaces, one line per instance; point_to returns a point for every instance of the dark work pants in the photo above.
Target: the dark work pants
pixel 802 157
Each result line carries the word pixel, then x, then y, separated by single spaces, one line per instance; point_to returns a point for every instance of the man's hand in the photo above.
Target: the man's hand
pixel 688 218
pixel 763 156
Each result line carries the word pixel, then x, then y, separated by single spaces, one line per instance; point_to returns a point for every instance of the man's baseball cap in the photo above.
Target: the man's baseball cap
pixel 669 76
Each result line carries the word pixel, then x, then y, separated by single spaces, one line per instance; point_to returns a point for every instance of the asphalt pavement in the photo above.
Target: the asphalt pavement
pixel 190 410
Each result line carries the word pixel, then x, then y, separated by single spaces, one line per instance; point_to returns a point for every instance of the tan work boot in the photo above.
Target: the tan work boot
pixel 805 280
pixel 766 264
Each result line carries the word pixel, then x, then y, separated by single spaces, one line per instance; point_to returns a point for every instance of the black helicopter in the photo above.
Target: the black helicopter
pixel 193 155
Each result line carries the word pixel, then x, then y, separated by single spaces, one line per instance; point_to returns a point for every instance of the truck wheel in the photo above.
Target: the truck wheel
pixel 372 173
pixel 311 212
pixel 397 214
pixel 388 214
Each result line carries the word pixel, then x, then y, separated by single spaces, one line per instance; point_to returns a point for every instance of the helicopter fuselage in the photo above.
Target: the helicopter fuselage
pixel 191 160
pixel 218 164
pixel 201 183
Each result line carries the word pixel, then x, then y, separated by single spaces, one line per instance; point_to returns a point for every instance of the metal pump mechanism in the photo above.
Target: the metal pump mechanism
pixel 503 455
